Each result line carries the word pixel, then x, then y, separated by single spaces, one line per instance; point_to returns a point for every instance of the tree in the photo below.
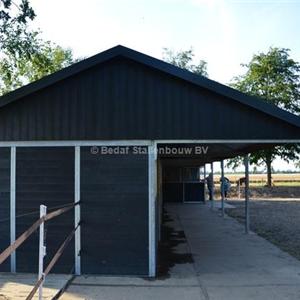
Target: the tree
pixel 16 71
pixel 14 33
pixel 184 60
pixel 275 77
pixel 22 13
pixel 24 56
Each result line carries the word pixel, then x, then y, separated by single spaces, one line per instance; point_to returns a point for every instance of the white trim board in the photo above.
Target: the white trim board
pixel 238 141
pixel 152 186
pixel 77 211
pixel 75 143
pixel 57 143
pixel 13 206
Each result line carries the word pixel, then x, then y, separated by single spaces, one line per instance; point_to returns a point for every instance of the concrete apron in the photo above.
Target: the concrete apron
pixel 227 264
pixel 18 286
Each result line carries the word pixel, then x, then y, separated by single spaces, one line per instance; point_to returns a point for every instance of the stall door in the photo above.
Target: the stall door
pixel 44 175
pixel 114 211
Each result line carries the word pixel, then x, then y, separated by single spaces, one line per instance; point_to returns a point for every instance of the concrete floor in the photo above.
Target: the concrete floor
pixel 227 265
pixel 18 286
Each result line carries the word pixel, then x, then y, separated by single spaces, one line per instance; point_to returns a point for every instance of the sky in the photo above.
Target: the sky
pixel 225 33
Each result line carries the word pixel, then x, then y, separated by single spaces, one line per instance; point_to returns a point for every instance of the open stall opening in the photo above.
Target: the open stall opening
pixel 183 184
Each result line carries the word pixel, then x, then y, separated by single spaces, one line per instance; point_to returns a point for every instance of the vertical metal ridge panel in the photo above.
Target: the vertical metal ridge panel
pixel 114 191
pixel 122 99
pixel 45 176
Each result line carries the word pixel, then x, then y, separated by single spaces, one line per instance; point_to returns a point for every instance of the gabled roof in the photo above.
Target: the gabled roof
pixel 201 81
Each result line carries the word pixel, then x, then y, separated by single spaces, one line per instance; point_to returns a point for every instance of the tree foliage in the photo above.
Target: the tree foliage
pixel 275 77
pixel 24 55
pixel 23 12
pixel 47 57
pixel 184 59
pixel 14 33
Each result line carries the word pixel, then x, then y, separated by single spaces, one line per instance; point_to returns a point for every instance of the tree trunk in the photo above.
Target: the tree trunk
pixel 269 171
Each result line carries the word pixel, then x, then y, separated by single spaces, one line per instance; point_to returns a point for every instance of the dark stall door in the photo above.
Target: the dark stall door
pixel 194 192
pixel 44 175
pixel 114 233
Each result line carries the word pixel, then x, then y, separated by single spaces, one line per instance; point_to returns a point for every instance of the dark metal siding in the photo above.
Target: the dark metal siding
pixel 4 204
pixel 194 192
pixel 173 192
pixel 123 99
pixel 44 176
pixel 114 234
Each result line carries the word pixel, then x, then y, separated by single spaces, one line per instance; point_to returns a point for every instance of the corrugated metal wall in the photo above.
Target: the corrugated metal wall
pixel 44 176
pixel 114 212
pixel 122 99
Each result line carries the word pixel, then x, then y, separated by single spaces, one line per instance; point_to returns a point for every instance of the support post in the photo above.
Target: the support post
pixel 13 206
pixel 77 212
pixel 212 187
pixel 42 250
pixel 222 188
pixel 204 174
pixel 159 198
pixel 247 216
pixel 152 171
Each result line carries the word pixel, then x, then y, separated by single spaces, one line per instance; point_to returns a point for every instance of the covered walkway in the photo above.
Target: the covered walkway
pixel 209 258
pixel 231 264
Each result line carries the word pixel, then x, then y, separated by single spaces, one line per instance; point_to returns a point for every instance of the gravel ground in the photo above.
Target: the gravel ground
pixel 263 192
pixel 276 221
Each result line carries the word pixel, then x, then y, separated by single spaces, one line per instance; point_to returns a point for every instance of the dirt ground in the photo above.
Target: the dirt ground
pixel 275 220
pixel 264 192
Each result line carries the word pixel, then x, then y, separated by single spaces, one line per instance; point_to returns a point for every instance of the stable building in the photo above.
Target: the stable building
pixel 96 132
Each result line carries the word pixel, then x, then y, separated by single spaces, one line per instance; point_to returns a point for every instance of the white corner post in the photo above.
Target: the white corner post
pixel 222 188
pixel 204 174
pixel 247 215
pixel 77 212
pixel 152 181
pixel 159 198
pixel 212 187
pixel 13 206
pixel 42 250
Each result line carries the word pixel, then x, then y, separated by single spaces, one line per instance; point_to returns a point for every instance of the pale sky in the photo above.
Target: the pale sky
pixel 225 33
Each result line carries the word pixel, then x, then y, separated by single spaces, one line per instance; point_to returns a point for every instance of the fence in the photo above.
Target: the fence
pixel 44 217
